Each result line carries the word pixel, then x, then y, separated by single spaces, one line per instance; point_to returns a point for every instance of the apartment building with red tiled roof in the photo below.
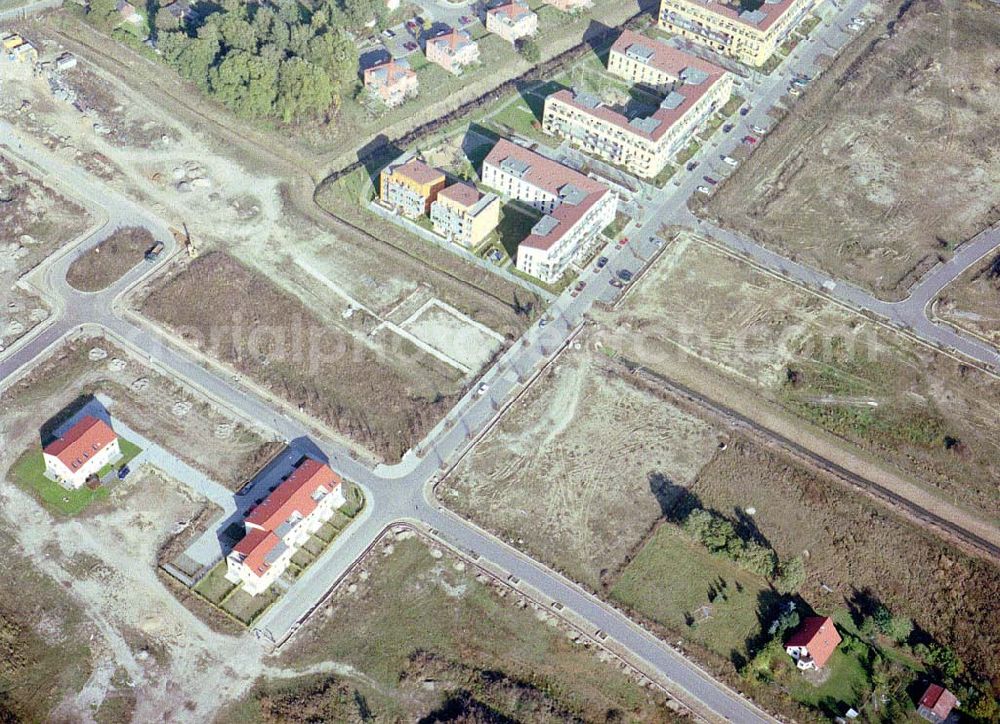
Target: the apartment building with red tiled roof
pixel 575 207
pixel 512 20
pixel 392 82
pixel 282 523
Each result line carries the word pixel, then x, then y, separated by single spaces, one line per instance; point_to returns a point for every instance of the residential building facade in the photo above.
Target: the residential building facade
pixel 409 186
pixel 392 82
pixel 575 207
pixel 453 50
pixel 465 215
pixel 82 451
pixel 282 523
pixel 695 89
pixel 568 6
pixel 750 37
pixel 813 642
pixel 512 20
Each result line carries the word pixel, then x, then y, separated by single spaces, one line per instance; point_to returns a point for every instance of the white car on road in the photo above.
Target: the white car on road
pixel 731 161
pixel 704 190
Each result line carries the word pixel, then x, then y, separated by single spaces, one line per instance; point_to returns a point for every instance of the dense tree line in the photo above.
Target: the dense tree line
pixel 267 60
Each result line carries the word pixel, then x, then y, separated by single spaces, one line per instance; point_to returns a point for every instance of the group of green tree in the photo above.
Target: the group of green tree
pixel 263 60
pixel 718 534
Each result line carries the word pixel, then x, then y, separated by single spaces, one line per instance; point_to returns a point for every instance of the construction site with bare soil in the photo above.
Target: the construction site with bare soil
pixel 888 161
pixel 897 403
pixel 35 221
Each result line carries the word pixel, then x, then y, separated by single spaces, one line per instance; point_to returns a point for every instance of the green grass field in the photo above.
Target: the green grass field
pixel 29 473
pixel 214 586
pixel 670 579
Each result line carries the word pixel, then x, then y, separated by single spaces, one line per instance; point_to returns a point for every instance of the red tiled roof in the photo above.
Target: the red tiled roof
pixel 452 38
pixel 671 61
pixel 294 495
pixel 550 176
pixel 513 10
pixel 419 171
pixel 939 700
pixel 81 442
pixel 255 546
pixel 388 73
pixel 819 636
pixel 667 58
pixel 461 193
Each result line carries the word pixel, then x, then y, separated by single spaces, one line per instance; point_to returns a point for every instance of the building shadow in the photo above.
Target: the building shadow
pixel 371 58
pixel 53 428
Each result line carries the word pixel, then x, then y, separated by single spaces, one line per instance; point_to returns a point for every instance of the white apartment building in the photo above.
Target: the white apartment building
pixel 694 89
pixel 282 523
pixel 575 207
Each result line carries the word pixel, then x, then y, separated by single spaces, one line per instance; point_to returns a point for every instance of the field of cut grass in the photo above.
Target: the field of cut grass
pixel 672 579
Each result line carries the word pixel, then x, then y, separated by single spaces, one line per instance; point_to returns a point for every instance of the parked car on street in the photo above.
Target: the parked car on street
pixel 482 389
pixel 704 190
pixel 692 165
pixel 625 275
pixel 709 179
pixel 749 140
pixel 794 91
pixel 730 161
pixel 616 282
pixel 758 130
pixel 601 262
pixel 727 127
pixel 745 109
pixel 123 472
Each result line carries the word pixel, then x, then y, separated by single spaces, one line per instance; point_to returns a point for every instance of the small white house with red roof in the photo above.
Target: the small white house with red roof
pixel 279 526
pixel 81 451
pixel 813 642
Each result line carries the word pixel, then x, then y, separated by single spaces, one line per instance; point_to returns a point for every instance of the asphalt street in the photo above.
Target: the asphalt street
pixel 403 492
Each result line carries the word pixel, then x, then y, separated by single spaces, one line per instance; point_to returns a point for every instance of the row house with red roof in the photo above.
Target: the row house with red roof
pixel 81 451
pixel 282 523
pixel 512 20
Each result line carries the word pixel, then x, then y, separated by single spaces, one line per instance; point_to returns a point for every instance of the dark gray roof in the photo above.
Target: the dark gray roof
pixel 275 553
pixel 514 166
pixel 587 100
pixel 646 125
pixel 544 226
pixel 571 194
pixel 639 52
pixel 693 76
pixel 755 17
pixel 672 101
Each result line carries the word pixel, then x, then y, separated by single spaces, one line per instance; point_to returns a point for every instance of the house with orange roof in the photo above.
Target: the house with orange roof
pixel 512 20
pixel 81 451
pixel 392 82
pixel 568 6
pixel 575 207
pixel 409 186
pixel 464 214
pixel 282 523
pixel 813 642
pixel 694 89
pixel 453 50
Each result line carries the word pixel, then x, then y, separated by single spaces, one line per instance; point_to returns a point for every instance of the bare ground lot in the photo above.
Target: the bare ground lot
pixel 889 160
pixel 928 415
pixel 109 261
pixel 430 637
pixel 239 317
pixel 850 544
pixel 972 302
pixel 35 221
pixel 184 424
pixel 576 470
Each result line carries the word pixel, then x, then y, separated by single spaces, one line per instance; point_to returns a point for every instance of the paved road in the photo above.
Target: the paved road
pixel 402 492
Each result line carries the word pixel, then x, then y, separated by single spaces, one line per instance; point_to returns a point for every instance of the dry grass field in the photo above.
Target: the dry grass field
pixel 972 301
pixel 382 399
pixel 431 638
pixel 577 472
pixel 919 410
pixel 889 160
pixel 110 260
pixel 850 545
pixel 156 407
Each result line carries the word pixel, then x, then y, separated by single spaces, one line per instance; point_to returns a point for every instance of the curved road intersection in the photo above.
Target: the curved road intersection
pixel 404 492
